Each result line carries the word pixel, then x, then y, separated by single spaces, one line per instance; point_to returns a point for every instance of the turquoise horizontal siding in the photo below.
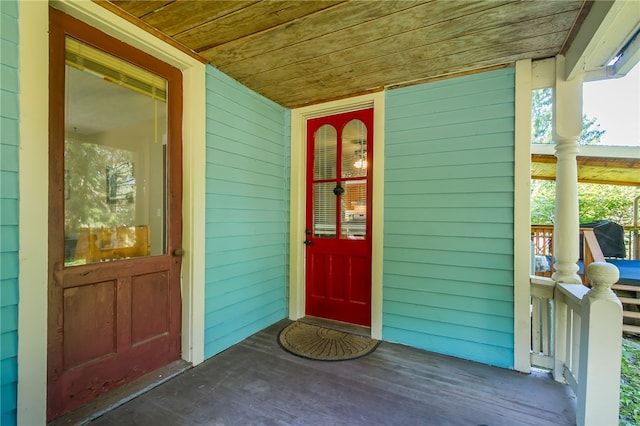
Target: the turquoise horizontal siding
pixel 247 212
pixel 448 220
pixel 9 196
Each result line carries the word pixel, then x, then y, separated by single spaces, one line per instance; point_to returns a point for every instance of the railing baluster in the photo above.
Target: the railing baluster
pixel 545 325
pixel 541 335
pixel 561 334
pixel 576 322
pixel 535 320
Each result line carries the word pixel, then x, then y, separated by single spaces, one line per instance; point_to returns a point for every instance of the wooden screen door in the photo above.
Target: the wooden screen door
pixel 115 225
pixel 338 218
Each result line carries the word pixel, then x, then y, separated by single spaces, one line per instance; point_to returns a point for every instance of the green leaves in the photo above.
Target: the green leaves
pixel 543 201
pixel 596 202
pixel 541 113
pixel 630 383
pixel 542 118
pixel 606 202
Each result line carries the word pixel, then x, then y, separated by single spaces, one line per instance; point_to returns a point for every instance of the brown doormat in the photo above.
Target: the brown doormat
pixel 324 344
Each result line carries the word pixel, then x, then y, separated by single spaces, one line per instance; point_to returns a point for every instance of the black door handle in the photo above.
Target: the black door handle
pixel 307 242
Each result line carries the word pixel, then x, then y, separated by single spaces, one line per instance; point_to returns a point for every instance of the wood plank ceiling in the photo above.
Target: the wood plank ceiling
pixel 299 53
pixel 604 170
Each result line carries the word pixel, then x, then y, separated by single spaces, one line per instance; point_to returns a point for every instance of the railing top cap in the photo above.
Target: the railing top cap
pixel 603 273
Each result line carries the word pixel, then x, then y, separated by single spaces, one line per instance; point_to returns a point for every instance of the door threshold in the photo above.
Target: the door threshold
pixel 105 403
pixel 345 327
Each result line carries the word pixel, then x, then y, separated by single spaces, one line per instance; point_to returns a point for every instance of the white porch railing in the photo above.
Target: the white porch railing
pixel 542 342
pixel 577 332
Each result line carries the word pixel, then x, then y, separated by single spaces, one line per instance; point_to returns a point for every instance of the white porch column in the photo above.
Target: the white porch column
pixel 567 128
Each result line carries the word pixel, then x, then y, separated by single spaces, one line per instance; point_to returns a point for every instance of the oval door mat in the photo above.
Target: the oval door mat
pixel 324 344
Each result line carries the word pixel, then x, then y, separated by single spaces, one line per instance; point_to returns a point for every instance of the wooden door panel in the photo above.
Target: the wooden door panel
pixel 89 314
pixel 150 295
pixel 78 386
pixel 318 265
pixel 107 344
pixel 115 330
pixel 336 283
pixel 359 272
pixel 341 286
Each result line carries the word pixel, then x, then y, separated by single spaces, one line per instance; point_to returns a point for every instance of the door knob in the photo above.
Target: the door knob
pixel 307 242
pixel 179 252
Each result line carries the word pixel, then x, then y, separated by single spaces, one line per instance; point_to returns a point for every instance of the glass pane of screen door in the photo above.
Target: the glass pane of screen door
pixel 354 149
pixel 325 140
pixel 324 210
pixel 353 206
pixel 114 158
pixel 354 210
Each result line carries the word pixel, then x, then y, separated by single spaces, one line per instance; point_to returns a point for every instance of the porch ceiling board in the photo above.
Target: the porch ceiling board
pixel 304 52
pixel 603 170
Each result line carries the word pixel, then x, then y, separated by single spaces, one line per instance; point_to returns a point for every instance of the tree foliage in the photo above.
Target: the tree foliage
pixel 542 116
pixel 630 383
pixel 542 113
pixel 596 202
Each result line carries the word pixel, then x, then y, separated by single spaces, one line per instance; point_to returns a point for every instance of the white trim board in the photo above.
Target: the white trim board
pixel 297 219
pixel 34 136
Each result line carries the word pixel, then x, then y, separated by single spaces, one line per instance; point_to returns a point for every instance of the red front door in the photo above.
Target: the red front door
pixel 338 219
pixel 115 223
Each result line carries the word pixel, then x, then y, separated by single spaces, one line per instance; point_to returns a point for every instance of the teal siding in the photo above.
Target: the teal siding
pixel 448 219
pixel 247 217
pixel 9 141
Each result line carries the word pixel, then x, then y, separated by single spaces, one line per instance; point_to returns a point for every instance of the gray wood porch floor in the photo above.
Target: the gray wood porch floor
pixel 258 383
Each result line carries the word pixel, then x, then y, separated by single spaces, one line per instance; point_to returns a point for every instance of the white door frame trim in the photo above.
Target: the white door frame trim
pixel 34 160
pixel 299 118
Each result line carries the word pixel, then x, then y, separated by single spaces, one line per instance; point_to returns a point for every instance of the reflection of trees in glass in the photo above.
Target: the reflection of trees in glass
pixel 86 204
pixel 121 184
